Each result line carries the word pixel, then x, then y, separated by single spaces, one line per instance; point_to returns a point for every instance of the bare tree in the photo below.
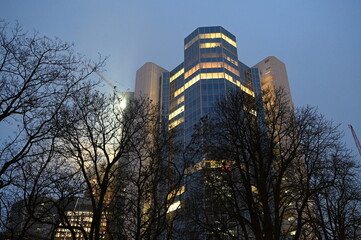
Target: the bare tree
pixel 333 183
pixel 37 74
pixel 38 198
pixel 324 179
pixel 122 153
pixel 265 165
pixel 151 181
pixel 71 142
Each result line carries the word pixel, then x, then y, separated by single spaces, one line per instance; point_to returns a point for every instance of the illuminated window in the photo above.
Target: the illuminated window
pixel 255 190
pixel 175 123
pixel 292 218
pixel 251 111
pixel 175 76
pixel 191 71
pixel 174 206
pixel 231 60
pixel 215 75
pixel 206 65
pixel 209 45
pixel 179 91
pixel 76 219
pixel 176 192
pixel 210 36
pixel 180 100
pixel 176 112
pixel 192 81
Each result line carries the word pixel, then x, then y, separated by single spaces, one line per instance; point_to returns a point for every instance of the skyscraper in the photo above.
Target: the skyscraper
pixel 273 75
pixel 186 94
pixel 210 69
pixel 148 81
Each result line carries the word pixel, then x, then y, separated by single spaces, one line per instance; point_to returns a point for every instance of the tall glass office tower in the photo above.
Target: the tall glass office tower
pixel 210 69
pixel 187 93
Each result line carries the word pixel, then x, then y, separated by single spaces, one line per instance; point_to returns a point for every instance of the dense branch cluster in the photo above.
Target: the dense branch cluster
pixel 281 174
pixel 37 76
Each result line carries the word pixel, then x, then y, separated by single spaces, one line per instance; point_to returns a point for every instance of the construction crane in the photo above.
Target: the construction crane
pixel 122 95
pixel 103 78
pixel 356 139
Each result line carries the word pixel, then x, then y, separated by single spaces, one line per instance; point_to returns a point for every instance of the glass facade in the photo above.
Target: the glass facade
pixel 210 69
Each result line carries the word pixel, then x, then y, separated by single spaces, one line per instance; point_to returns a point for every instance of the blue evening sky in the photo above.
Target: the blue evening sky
pixel 318 40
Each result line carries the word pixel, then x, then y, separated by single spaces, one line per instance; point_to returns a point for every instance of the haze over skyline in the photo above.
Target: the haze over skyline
pixel 319 41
